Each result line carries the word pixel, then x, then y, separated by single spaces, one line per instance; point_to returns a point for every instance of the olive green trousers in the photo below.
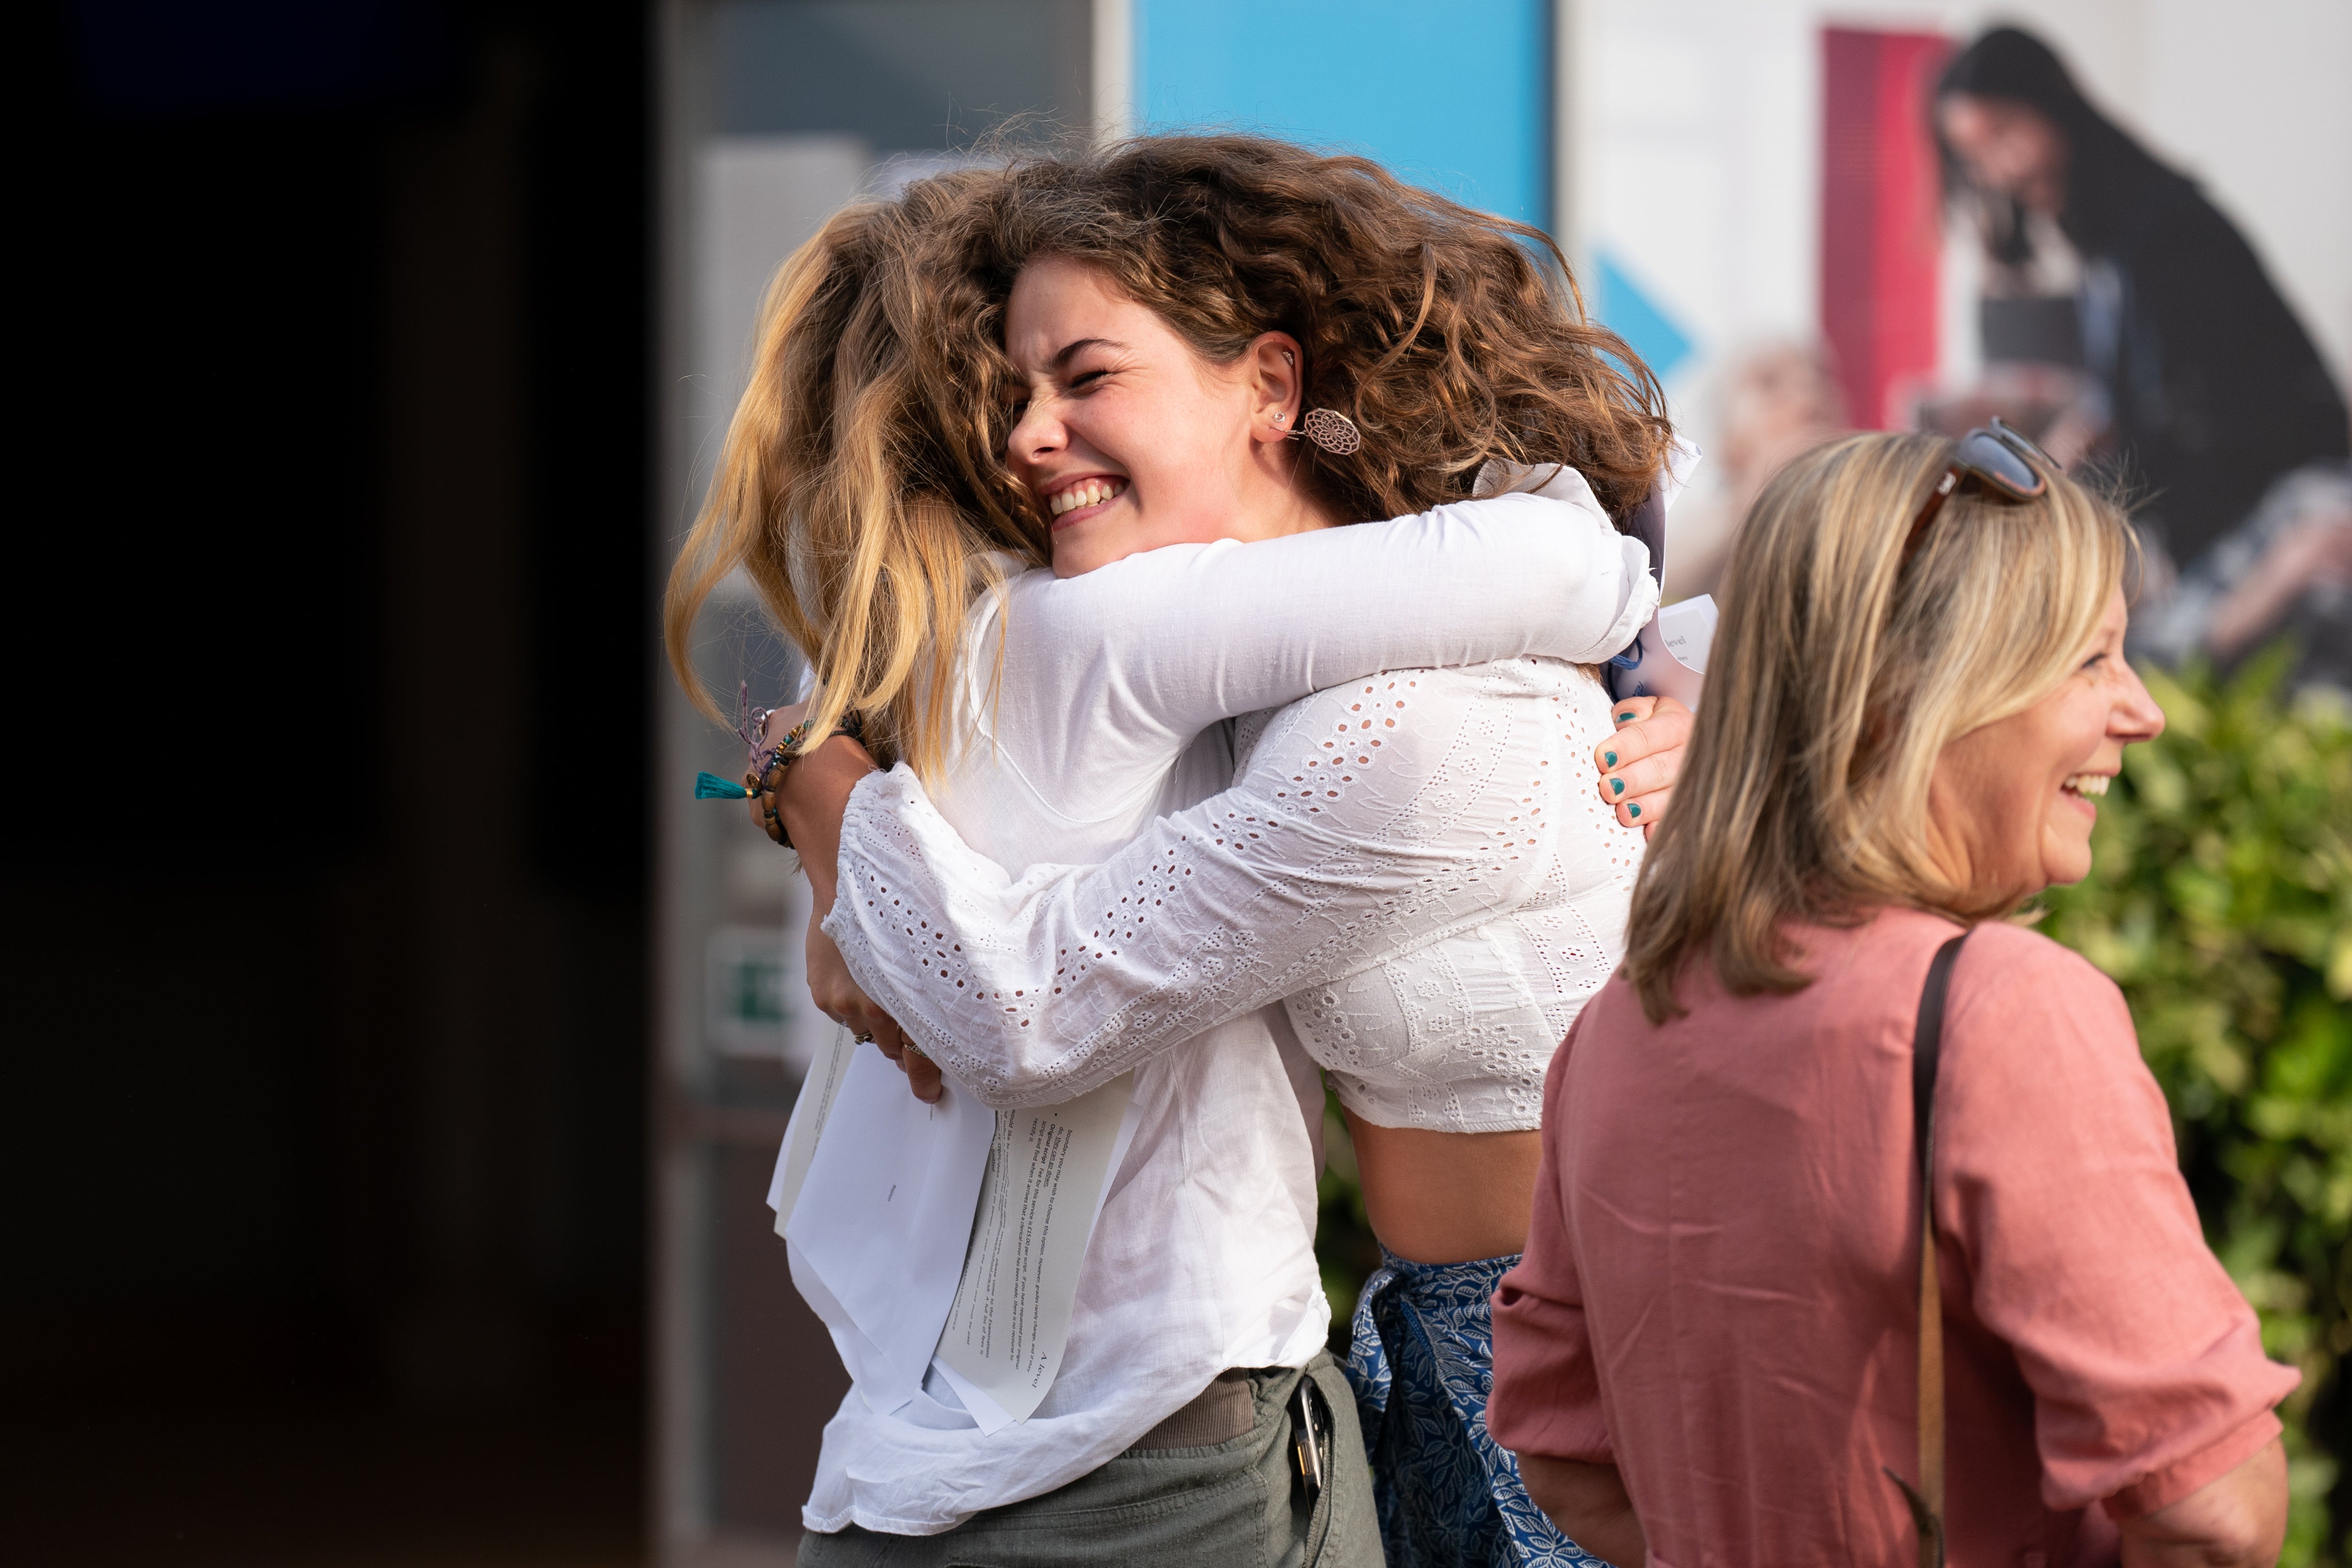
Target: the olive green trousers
pixel 1235 1504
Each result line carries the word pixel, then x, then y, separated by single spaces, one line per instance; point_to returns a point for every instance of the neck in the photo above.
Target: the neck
pixel 1277 502
pixel 1295 513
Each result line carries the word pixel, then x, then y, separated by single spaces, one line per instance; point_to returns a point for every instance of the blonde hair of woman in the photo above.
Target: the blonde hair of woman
pixel 1838 678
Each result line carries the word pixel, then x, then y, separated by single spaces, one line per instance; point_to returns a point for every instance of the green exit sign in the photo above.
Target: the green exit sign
pixel 749 1006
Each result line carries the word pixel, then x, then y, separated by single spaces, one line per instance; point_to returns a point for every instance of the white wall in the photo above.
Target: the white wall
pixel 1691 142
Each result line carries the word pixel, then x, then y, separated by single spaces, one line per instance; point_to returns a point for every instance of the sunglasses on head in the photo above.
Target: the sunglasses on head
pixel 1999 459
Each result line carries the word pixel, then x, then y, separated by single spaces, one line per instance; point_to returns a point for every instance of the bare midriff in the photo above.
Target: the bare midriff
pixel 1447 1197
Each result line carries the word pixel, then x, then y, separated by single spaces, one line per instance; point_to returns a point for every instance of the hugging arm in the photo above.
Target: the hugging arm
pixel 1130 662
pixel 1124 666
pixel 1331 853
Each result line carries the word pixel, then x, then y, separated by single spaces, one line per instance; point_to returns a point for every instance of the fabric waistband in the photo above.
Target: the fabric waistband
pixel 1479 1276
pixel 1218 1414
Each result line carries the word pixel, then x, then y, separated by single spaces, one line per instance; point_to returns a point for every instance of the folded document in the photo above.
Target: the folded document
pixel 943 1238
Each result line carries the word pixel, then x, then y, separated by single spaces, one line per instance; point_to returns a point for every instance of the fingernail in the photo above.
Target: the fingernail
pixel 1632 811
pixel 1609 759
pixel 1616 787
pixel 1624 718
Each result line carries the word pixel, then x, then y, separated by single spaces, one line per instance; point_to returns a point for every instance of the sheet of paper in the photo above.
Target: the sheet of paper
pixel 1687 629
pixel 883 1215
pixel 1049 1171
pixel 858 1354
pixel 1661 657
pixel 810 1109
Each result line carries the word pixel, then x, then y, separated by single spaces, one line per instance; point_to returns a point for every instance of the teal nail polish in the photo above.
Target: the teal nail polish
pixel 1609 759
pixel 1617 786
pixel 1632 811
pixel 1624 718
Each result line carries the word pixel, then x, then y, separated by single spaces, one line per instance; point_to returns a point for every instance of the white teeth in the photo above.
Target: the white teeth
pixel 2088 783
pixel 1087 492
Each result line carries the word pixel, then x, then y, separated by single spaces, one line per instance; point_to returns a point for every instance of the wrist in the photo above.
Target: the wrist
pixel 813 800
pixel 815 789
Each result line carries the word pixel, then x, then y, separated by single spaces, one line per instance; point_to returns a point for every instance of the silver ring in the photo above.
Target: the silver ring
pixel 913 1049
pixel 864 1037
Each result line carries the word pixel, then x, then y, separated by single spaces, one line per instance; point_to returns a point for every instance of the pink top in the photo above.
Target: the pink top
pixel 1720 1289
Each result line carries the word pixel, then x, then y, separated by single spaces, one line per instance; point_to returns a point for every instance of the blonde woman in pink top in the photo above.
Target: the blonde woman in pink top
pixel 1712 1351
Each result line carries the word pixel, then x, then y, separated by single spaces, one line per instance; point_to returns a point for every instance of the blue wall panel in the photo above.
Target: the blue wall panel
pixel 1453 96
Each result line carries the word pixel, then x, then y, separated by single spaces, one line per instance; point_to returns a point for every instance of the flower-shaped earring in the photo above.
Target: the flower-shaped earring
pixel 1332 430
pixel 1325 428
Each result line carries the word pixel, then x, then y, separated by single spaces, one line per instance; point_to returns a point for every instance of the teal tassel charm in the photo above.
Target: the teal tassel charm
pixel 710 786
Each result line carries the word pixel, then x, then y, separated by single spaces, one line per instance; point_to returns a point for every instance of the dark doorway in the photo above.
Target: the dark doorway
pixel 325 869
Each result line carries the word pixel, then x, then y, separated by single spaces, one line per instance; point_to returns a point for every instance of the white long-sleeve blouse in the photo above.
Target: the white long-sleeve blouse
pixel 1095 705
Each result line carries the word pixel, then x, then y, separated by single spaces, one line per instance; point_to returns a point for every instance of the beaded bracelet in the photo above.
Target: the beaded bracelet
pixel 785 750
pixel 761 784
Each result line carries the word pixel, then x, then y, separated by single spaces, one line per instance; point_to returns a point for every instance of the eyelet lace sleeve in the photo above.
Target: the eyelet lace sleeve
pixel 1371 820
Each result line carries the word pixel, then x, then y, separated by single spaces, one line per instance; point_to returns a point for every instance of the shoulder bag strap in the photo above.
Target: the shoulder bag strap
pixel 1927 1500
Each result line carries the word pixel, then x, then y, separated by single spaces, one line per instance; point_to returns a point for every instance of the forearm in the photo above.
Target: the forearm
pixel 815 795
pixel 1190 635
pixel 1036 989
pixel 1589 1504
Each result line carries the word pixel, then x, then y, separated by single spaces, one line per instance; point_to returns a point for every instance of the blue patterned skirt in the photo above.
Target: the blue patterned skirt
pixel 1422 1365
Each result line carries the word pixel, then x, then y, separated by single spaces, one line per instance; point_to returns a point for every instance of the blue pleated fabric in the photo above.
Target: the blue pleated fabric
pixel 1422 1365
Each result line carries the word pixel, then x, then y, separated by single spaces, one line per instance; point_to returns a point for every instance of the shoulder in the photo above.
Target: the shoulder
pixel 1369 722
pixel 2014 988
pixel 1412 711
pixel 1407 757
pixel 2175 238
pixel 1561 507
pixel 2009 974
pixel 2036 1038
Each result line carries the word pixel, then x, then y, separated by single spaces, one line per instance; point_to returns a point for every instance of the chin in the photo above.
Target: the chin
pixel 1074 560
pixel 2065 870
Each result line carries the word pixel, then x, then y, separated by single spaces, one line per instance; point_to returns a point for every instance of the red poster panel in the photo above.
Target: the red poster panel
pixel 1881 223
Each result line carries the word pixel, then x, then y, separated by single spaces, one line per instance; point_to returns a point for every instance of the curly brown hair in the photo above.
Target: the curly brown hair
pixel 1434 327
pixel 864 477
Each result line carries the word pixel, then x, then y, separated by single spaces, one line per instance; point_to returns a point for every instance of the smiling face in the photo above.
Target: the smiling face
pixel 1130 440
pixel 2012 802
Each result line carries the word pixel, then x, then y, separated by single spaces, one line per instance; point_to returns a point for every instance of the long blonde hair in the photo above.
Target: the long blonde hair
pixel 1840 672
pixel 855 490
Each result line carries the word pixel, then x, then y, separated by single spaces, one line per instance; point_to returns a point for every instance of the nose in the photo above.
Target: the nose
pixel 2135 716
pixel 1037 434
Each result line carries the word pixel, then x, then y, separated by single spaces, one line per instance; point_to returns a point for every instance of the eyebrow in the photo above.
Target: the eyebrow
pixel 1062 358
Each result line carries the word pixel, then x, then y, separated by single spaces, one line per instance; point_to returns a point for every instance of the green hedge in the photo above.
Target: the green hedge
pixel 2220 900
pixel 2221 903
